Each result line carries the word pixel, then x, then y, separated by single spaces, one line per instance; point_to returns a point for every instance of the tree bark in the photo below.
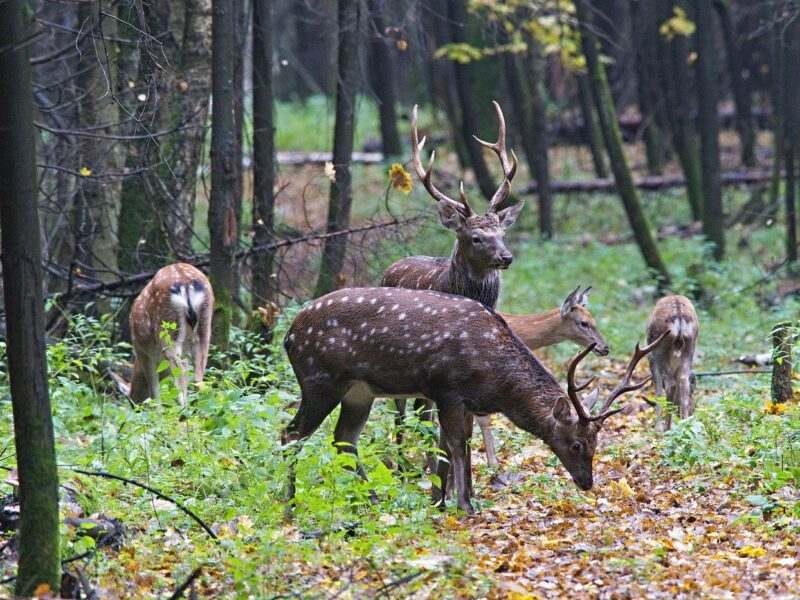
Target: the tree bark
pixel 222 224
pixel 469 117
pixel 333 253
pixel 792 128
pixel 264 287
pixel 384 77
pixel 613 139
pixel 591 128
pixel 741 93
pixel 782 362
pixel 532 130
pixel 22 282
pixel 708 119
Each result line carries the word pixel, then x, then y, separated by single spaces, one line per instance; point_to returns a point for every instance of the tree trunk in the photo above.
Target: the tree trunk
pixel 591 128
pixel 222 224
pixel 469 117
pixel 264 287
pixel 782 362
pixel 613 139
pixel 349 20
pixel 384 77
pixel 777 89
pixel 240 43
pixel 741 93
pixel 676 87
pixel 531 131
pixel 792 129
pixel 38 562
pixel 708 119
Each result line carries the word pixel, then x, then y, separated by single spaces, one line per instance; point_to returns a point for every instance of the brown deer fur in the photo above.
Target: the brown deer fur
pixel 180 294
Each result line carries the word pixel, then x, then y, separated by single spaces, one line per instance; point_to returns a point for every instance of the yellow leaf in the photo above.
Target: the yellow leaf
pixel 752 551
pixel 775 408
pixel 42 590
pixel 85 171
pixel 400 179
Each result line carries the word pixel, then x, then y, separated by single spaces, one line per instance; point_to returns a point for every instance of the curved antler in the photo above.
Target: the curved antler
pixel 509 166
pixel 425 175
pixel 573 389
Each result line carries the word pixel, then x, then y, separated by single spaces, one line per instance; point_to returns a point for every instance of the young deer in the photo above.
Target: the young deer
pixel 354 345
pixel 479 252
pixel 671 363
pixel 179 294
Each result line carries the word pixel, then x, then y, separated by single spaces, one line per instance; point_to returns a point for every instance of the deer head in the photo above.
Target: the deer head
pixel 574 437
pixel 480 237
pixel 577 323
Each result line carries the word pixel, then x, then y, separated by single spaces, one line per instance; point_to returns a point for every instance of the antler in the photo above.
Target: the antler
pixel 622 387
pixel 425 176
pixel 625 385
pixel 509 166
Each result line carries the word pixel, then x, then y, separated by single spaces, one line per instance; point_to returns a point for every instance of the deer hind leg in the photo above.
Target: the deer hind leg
pixel 684 393
pixel 356 406
pixel 399 419
pixel 317 402
pixel 144 383
pixel 454 440
pixel 202 339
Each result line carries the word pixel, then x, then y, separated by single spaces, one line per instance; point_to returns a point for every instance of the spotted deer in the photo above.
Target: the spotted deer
pixel 354 345
pixel 671 363
pixel 179 294
pixel 479 253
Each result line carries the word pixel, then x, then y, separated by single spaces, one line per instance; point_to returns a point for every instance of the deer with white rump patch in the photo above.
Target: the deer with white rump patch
pixel 354 345
pixel 179 294
pixel 671 363
pixel 479 252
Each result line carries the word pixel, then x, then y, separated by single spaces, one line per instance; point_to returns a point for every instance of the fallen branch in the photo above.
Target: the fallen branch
pixel 732 372
pixel 320 158
pixel 153 491
pixel 184 586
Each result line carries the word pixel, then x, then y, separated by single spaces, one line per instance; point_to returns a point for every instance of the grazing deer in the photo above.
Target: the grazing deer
pixel 671 363
pixel 353 345
pixel 479 252
pixel 179 294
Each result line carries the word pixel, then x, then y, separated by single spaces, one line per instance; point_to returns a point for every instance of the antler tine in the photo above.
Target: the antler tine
pixel 625 385
pixel 463 197
pixel 572 388
pixel 509 166
pixel 422 173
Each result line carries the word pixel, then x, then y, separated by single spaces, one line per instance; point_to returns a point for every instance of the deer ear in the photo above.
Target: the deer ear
pixel 569 302
pixel 562 410
pixel 583 299
pixel 508 216
pixel 450 216
pixel 591 399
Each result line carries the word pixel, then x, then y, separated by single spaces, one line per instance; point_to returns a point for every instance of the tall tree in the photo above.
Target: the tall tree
pixel 349 28
pixel 384 78
pixel 457 12
pixel 601 93
pixel 38 562
pixel 708 120
pixel 791 91
pixel 222 224
pixel 591 128
pixel 263 153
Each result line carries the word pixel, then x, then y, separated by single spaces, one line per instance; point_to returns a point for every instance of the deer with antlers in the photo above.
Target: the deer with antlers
pixel 353 345
pixel 479 253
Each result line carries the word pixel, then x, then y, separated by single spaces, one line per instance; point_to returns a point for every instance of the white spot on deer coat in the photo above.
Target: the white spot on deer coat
pixel 401 316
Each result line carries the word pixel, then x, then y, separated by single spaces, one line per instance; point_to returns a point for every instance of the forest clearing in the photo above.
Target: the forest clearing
pixel 443 299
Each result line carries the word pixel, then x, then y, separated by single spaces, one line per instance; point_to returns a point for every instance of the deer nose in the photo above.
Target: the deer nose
pixel 506 259
pixel 601 350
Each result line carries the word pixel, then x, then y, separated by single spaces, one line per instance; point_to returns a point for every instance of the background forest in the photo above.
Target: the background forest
pixel 269 144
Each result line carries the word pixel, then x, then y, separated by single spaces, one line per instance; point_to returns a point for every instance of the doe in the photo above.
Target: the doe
pixel 179 294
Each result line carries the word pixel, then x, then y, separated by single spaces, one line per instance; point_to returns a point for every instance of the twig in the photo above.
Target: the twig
pixel 154 491
pixel 88 590
pixel 733 372
pixel 182 587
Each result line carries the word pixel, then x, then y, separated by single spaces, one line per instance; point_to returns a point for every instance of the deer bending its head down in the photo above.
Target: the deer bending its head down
pixel 179 294
pixel 479 251
pixel 671 363
pixel 354 345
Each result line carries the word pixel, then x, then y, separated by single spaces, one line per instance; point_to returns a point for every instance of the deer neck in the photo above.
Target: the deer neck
pixel 466 279
pixel 529 402
pixel 538 330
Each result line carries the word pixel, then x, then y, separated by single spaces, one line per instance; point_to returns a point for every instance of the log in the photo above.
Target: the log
pixel 320 158
pixel 649 183
pixel 782 362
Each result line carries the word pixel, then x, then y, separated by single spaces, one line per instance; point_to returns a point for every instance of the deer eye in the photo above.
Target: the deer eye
pixel 584 324
pixel 476 240
pixel 576 447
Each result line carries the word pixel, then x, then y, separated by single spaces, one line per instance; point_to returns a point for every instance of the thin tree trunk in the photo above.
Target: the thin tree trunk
pixel 240 43
pixel 38 550
pixel 264 287
pixel 782 362
pixel 534 141
pixel 466 99
pixel 591 128
pixel 613 139
pixel 708 118
pixel 791 210
pixel 222 224
pixel 349 20
pixel 384 77
pixel 792 128
pixel 739 87
pixel 777 89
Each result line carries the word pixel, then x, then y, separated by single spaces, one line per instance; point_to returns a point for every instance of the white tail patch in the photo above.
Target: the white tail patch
pixel 179 299
pixel 197 296
pixel 681 330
